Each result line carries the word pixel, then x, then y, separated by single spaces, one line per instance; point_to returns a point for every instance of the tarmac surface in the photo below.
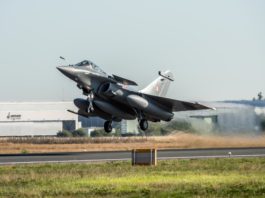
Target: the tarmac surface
pixel 77 157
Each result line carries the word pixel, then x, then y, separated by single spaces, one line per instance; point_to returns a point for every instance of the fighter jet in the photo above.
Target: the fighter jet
pixel 108 96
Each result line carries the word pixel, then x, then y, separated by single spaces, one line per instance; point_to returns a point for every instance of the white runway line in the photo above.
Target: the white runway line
pixel 65 161
pixel 211 156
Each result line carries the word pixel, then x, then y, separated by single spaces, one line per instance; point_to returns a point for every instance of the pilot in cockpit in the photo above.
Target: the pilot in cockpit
pixel 83 63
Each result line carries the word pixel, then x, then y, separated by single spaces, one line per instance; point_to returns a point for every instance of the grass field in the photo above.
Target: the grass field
pixel 176 140
pixel 174 178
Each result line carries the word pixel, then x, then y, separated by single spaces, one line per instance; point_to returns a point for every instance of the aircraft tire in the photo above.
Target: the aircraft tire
pixel 108 126
pixel 143 124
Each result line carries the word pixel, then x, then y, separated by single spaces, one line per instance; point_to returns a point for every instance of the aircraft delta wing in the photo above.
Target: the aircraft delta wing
pixel 177 105
pixel 124 80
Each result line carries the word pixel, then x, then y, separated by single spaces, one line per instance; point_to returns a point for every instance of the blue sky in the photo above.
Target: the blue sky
pixel 216 49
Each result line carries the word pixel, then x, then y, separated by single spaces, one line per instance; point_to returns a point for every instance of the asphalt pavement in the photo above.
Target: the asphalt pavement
pixel 76 157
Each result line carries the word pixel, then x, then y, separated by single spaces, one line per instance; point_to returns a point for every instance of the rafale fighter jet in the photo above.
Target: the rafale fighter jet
pixel 109 98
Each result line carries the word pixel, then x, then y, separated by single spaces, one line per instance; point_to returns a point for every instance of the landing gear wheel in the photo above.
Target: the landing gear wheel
pixel 143 124
pixel 108 126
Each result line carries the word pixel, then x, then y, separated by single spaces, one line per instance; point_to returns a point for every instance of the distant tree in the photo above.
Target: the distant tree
pixel 260 96
pixel 102 133
pixel 97 133
pixel 64 133
pixel 167 128
pixel 262 124
pixel 179 125
pixel 153 129
pixel 164 131
pixel 79 133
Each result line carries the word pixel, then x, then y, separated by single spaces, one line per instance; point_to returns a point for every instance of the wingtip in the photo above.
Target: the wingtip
pixel 211 108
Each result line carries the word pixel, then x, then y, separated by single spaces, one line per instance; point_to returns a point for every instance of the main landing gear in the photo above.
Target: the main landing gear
pixel 143 123
pixel 108 126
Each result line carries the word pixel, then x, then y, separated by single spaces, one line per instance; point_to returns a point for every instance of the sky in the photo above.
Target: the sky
pixel 215 49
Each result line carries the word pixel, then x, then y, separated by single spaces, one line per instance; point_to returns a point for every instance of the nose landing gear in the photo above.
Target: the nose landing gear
pixel 90 98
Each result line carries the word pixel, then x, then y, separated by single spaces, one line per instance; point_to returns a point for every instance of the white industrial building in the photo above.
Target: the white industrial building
pixel 36 118
pixel 47 118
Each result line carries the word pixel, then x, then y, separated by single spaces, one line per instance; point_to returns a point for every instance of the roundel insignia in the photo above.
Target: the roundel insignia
pixel 157 88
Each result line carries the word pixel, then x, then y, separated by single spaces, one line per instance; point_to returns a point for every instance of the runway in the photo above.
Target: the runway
pixel 77 157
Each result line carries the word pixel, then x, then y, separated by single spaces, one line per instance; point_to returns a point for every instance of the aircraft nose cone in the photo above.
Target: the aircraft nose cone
pixel 67 71
pixel 63 69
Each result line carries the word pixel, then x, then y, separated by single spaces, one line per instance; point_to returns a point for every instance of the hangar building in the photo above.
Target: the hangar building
pixel 36 118
pixel 230 116
pixel 47 118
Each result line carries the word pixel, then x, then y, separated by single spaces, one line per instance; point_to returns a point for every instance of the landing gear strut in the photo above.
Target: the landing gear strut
pixel 108 126
pixel 90 98
pixel 143 124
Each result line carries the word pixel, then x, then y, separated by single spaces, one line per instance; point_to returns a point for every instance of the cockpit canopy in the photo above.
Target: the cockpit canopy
pixel 84 63
pixel 90 65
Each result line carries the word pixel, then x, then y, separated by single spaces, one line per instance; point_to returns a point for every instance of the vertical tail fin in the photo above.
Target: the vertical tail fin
pixel 159 86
